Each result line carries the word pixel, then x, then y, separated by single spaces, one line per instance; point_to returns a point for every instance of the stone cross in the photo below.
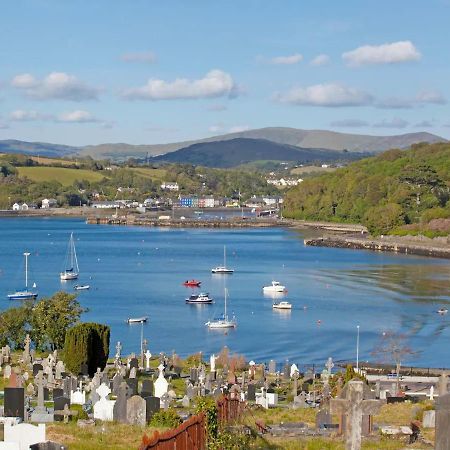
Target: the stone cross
pixel 26 351
pixel 442 436
pixel 66 412
pixel 354 407
pixel 295 376
pixel 212 362
pixel 118 350
pixel 147 355
pixel 329 364
pixel 431 394
pixel 39 379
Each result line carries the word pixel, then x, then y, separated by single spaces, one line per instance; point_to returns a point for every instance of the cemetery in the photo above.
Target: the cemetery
pixel 127 399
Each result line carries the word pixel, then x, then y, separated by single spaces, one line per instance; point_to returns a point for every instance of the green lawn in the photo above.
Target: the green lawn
pixel 154 174
pixel 63 175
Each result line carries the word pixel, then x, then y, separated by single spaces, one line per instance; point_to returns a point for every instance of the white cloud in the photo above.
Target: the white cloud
pixel 320 60
pixel 21 115
pixel 395 52
pixel 396 122
pixel 287 60
pixel 329 94
pixel 143 57
pixel 421 99
pixel 215 83
pixel 238 128
pixel 77 116
pixel 349 123
pixel 56 85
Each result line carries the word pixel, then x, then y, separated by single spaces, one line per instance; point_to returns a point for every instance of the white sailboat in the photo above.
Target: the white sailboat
pixel 71 270
pixel 224 321
pixel 24 294
pixel 223 269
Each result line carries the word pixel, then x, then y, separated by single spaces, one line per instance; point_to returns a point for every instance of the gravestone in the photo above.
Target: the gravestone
pixel 165 401
pixel 7 371
pixel 36 368
pixel 120 407
pixel 323 417
pixel 185 402
pixel 354 407
pixel 13 380
pixel 429 419
pixel 193 375
pixel 84 369
pixel 161 384
pixel 132 372
pixel 14 402
pixel 147 388
pixel 251 392
pixel 67 387
pixel 300 401
pixel 57 392
pixel 147 355
pixel 136 410
pixel 133 385
pixel 272 366
pixel 134 363
pixel 286 371
pixel 48 445
pixel 24 434
pixel 78 397
pixel 103 409
pixel 442 386
pixel 59 370
pixel 442 423
pixel 59 404
pixel 26 357
pixel 153 405
pixel 116 382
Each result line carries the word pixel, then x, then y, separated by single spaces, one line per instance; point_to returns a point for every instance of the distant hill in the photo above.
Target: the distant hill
pixel 321 139
pixel 303 139
pixel 235 152
pixel 37 148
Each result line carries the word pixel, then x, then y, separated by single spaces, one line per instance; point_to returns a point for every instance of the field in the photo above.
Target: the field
pixel 311 170
pixel 44 161
pixel 63 175
pixel 154 174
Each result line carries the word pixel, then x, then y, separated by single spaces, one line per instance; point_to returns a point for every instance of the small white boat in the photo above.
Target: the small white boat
pixel 71 270
pixel 282 305
pixel 142 319
pixel 223 269
pixel 442 311
pixel 81 287
pixel 224 321
pixel 274 287
pixel 26 293
pixel 202 298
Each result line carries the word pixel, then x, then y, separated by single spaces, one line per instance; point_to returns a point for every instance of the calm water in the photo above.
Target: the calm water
pixel 139 271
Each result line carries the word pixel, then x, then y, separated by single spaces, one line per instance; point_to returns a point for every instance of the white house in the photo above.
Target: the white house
pixel 20 207
pixel 24 207
pixel 169 186
pixel 49 203
pixel 16 207
pixel 106 204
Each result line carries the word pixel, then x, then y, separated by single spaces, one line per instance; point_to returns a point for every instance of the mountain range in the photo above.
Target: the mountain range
pixel 287 140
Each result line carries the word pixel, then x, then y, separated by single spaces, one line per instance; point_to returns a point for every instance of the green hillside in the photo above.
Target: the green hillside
pixel 63 175
pixel 399 190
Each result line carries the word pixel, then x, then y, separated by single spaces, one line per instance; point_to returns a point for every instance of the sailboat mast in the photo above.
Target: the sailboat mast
pixel 226 293
pixel 74 255
pixel 26 269
pixel 224 256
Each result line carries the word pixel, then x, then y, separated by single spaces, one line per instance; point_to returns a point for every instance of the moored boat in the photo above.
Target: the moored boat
pixel 81 287
pixel 442 311
pixel 223 270
pixel 201 298
pixel 71 270
pixel 224 321
pixel 142 319
pixel 26 293
pixel 192 283
pixel 282 305
pixel 274 287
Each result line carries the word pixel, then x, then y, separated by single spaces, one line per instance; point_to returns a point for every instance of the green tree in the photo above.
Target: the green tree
pixel 52 317
pixel 382 219
pixel 14 325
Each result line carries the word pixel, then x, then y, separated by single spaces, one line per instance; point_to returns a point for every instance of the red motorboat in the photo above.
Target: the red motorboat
pixel 192 283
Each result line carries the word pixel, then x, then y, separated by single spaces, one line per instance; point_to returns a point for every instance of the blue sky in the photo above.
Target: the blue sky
pixel 84 72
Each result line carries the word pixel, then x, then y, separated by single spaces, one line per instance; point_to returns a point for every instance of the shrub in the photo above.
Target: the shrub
pixel 169 419
pixel 86 343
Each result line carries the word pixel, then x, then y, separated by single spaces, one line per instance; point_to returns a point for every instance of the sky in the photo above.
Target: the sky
pixel 144 72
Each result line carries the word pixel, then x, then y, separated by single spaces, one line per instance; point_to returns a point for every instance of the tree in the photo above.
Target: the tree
pixel 382 219
pixel 392 348
pixel 86 343
pixel 52 317
pixel 14 325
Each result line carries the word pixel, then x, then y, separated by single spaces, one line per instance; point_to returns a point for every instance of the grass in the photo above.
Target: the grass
pixel 154 174
pixel 45 161
pixel 63 175
pixel 311 169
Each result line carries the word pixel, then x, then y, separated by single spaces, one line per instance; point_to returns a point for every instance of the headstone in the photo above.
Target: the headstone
pixel 120 407
pixel 212 362
pixel 193 374
pixel 286 371
pixel 251 392
pixel 117 381
pixel 103 409
pixel 354 407
pixel 272 366
pixel 78 397
pixel 59 404
pixel 133 385
pixel 84 369
pixel 147 388
pixel 26 357
pixel 136 410
pixel 165 401
pixel 48 445
pixel 147 355
pixel 59 370
pixel 153 405
pixel 294 370
pixel 36 368
pixel 14 402
pixel 323 417
pixel 161 384
pixel 429 419
pixel 24 434
pixel 132 372
pixel 57 392
pixel 67 387
pixel 134 363
pixel 7 371
pixel 185 402
pixel 13 380
pixel 300 401
pixel 442 424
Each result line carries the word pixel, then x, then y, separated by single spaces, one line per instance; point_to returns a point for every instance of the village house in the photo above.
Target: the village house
pixel 170 186
pixel 206 202
pixel 49 203
pixel 284 182
pixel 20 207
pixel 105 204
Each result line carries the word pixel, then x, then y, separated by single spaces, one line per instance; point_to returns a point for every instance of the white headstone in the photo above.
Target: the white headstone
pixel 77 397
pixel 294 369
pixel 103 409
pixel 161 384
pixel 24 434
pixel 147 355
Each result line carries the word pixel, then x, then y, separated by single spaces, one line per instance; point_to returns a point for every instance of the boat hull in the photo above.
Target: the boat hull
pixel 22 296
pixel 82 288
pixel 137 320
pixel 67 276
pixel 199 302
pixel 218 325
pixel 222 271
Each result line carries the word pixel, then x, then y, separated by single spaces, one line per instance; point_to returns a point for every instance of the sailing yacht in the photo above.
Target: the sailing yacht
pixel 71 270
pixel 224 321
pixel 223 269
pixel 24 294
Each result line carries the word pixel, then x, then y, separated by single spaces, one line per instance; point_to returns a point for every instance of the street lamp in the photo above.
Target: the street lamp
pixel 357 348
